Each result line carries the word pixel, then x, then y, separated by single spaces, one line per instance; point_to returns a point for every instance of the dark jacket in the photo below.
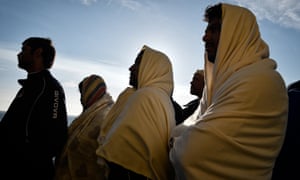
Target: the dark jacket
pixel 286 163
pixel 190 108
pixel 182 114
pixel 34 129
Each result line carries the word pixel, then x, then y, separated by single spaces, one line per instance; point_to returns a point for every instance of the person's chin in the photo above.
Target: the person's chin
pixel 211 59
pixel 131 82
pixel 21 66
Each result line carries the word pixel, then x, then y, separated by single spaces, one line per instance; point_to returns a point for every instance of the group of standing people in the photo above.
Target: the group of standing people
pixel 237 133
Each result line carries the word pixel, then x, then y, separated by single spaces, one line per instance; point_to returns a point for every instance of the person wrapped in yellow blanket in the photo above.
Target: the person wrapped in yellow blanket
pixel 78 159
pixel 244 107
pixel 134 140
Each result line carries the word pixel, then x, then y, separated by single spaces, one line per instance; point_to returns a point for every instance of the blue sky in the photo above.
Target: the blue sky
pixel 104 36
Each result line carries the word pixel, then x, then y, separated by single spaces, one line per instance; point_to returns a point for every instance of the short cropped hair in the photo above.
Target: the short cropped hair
pixel 48 53
pixel 294 85
pixel 199 71
pixel 212 12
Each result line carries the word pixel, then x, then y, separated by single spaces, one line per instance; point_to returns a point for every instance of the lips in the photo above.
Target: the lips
pixel 132 76
pixel 209 47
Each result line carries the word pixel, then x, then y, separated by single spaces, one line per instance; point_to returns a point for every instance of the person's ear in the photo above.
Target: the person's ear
pixel 38 52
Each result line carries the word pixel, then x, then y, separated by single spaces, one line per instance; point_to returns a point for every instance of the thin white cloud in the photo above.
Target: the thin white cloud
pixel 8 54
pixel 131 4
pixel 88 2
pixel 71 71
pixel 284 12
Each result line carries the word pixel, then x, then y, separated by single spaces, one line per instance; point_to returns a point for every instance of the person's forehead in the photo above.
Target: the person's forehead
pixel 26 47
pixel 214 22
pixel 196 77
pixel 138 59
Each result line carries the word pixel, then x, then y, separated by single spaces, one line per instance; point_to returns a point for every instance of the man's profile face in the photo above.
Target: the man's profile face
pixel 197 84
pixel 134 70
pixel 25 57
pixel 211 38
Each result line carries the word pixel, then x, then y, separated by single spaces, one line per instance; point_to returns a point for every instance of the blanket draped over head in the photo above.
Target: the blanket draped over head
pixel 78 159
pixel 243 112
pixel 136 135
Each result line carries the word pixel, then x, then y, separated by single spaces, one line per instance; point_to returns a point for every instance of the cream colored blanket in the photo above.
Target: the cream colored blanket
pixel 78 159
pixel 136 137
pixel 243 112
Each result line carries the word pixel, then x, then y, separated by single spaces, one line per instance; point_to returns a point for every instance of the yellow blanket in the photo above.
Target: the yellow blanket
pixel 78 159
pixel 243 111
pixel 136 137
